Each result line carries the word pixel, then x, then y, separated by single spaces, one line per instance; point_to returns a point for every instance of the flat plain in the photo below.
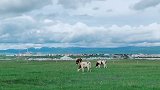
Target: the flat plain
pixel 63 75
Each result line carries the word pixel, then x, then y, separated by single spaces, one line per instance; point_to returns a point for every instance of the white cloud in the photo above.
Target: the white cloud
pixel 25 30
pixel 109 12
pixel 91 23
pixel 105 8
pixel 74 4
pixel 146 44
pixel 9 7
pixel 144 4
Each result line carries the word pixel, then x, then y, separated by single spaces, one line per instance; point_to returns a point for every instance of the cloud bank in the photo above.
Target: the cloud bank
pixel 9 7
pixel 144 4
pixel 82 23
pixel 26 30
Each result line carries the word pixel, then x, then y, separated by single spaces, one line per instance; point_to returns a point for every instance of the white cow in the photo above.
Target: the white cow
pixel 101 62
pixel 83 65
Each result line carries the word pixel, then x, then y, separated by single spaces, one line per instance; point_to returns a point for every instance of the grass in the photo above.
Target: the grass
pixel 49 75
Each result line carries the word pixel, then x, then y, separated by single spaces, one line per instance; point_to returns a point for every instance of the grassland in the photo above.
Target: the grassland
pixel 49 75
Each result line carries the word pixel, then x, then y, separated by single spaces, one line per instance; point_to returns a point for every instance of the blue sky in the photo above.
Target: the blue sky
pixel 79 23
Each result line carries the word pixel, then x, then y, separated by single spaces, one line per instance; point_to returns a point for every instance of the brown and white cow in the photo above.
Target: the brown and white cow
pixel 82 65
pixel 101 62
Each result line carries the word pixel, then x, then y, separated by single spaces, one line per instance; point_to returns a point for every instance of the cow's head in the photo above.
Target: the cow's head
pixel 78 60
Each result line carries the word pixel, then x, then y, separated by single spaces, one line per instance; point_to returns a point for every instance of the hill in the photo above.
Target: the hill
pixel 79 50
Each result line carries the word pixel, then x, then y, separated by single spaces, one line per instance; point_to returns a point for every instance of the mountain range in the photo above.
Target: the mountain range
pixel 80 50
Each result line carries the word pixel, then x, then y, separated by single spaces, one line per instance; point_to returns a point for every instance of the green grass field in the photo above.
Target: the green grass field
pixel 49 75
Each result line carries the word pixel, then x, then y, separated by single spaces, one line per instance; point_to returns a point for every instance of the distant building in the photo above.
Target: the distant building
pixel 66 58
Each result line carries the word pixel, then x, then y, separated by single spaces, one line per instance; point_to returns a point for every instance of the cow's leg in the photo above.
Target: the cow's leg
pixel 82 69
pixel 78 70
pixel 104 65
pixel 99 65
pixel 88 68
